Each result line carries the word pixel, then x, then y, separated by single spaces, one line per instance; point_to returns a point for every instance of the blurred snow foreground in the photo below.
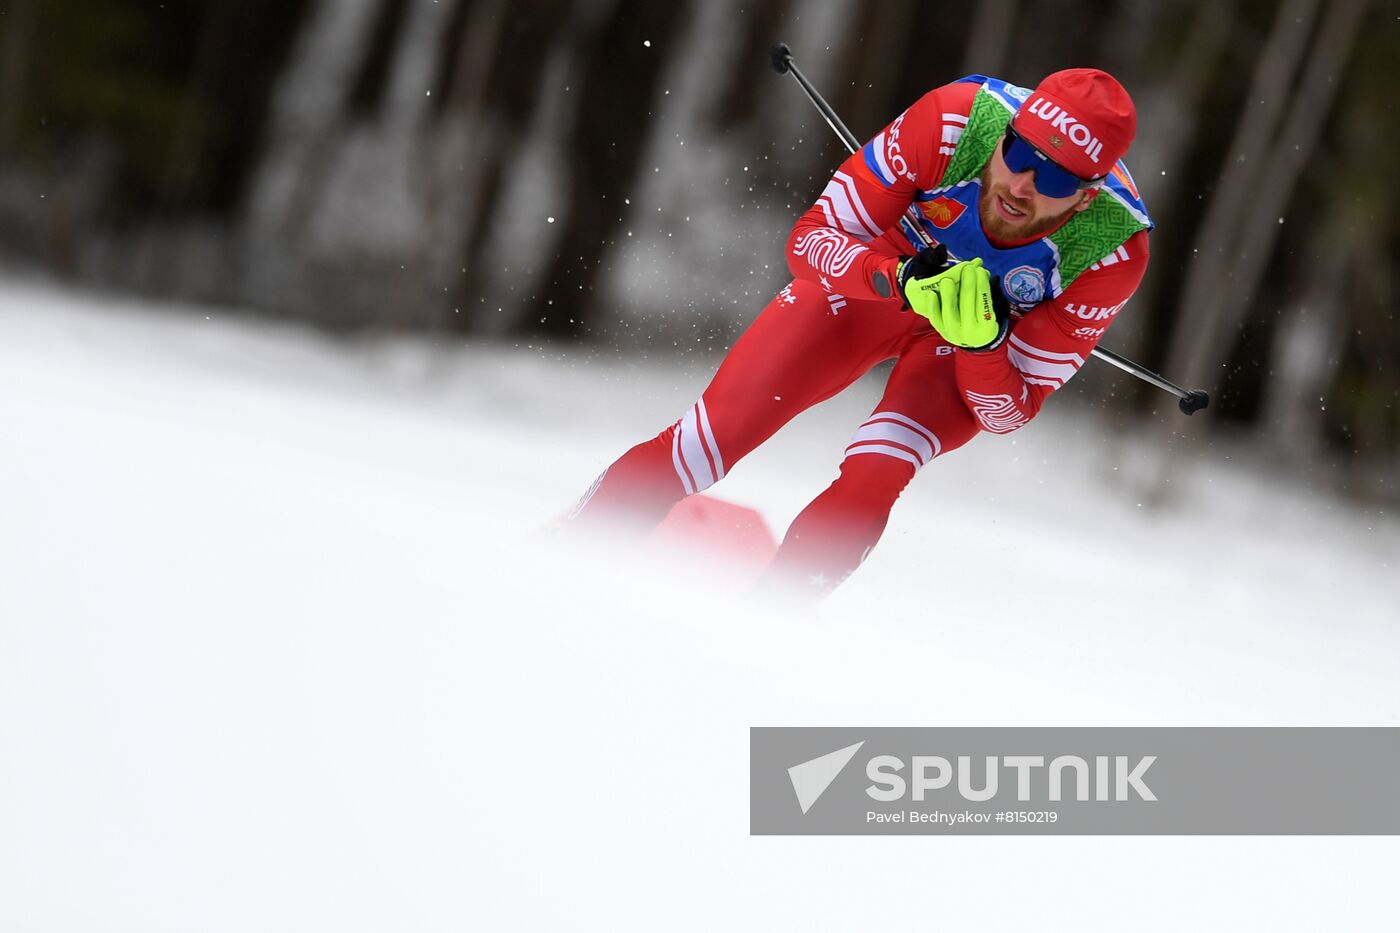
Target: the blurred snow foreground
pixel 280 647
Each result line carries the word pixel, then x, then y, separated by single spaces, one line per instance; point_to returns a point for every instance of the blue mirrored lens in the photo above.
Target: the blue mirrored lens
pixel 1050 180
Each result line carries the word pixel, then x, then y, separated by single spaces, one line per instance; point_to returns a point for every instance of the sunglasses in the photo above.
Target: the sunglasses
pixel 1050 180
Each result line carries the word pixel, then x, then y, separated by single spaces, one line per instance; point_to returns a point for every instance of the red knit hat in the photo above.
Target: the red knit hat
pixel 1082 118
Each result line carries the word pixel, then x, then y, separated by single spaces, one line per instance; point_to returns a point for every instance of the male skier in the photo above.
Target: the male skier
pixel 1026 197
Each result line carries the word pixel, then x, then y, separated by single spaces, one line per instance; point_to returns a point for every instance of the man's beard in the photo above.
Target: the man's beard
pixel 999 228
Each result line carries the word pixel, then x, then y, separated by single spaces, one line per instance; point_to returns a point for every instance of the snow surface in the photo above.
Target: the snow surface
pixel 281 648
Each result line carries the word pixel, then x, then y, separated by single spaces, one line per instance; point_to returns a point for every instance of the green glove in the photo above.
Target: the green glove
pixel 960 302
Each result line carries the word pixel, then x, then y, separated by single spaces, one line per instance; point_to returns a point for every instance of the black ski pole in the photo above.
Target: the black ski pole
pixel 1189 401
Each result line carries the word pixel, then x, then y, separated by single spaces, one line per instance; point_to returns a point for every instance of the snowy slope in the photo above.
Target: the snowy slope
pixel 280 648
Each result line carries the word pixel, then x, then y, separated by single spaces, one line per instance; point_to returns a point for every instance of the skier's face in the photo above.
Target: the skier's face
pixel 1012 209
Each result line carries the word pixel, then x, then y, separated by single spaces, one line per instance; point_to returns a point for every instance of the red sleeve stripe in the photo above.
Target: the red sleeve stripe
pixel 682 468
pixel 888 449
pixel 1043 367
pixel 694 452
pixel 843 201
pixel 894 434
pixel 1118 255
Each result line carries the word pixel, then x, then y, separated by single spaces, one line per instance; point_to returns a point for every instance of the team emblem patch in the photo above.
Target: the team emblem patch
pixel 1019 93
pixel 1025 285
pixel 941 211
pixel 1121 173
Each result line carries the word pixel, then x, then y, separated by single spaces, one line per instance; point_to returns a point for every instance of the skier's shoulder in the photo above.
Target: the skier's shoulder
pixel 956 98
pixel 1113 279
pixel 944 105
pixel 1132 255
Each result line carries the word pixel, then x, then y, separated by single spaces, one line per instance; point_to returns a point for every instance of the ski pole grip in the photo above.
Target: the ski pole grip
pixel 781 56
pixel 1193 401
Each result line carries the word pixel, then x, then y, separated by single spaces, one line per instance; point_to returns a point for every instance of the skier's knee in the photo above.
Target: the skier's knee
pixel 885 453
pixel 890 435
pixel 696 457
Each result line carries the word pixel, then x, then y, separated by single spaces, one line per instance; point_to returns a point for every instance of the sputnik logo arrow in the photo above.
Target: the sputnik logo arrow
pixel 811 778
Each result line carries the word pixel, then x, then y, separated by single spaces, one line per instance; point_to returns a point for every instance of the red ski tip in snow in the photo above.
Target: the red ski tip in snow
pixel 734 536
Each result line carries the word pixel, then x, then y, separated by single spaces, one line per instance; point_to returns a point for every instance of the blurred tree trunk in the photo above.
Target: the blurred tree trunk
pixel 1301 128
pixel 1234 249
pixel 608 130
pixel 187 138
pixel 469 141
pixel 305 130
pixel 158 252
pixel 740 154
pixel 868 69
pixel 991 37
pixel 662 272
pixel 1375 343
pixel 513 81
pixel 1306 348
pixel 14 69
pixel 1169 116
pixel 380 180
pixel 1199 344
pixel 1200 341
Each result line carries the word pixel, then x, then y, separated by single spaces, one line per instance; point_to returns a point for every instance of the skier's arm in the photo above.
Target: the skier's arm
pixel 869 193
pixel 1005 387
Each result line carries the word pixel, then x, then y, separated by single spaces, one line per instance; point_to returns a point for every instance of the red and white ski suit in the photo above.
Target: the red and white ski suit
pixel 824 330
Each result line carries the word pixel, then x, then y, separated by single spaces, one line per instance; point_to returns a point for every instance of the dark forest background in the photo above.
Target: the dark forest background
pixel 624 172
